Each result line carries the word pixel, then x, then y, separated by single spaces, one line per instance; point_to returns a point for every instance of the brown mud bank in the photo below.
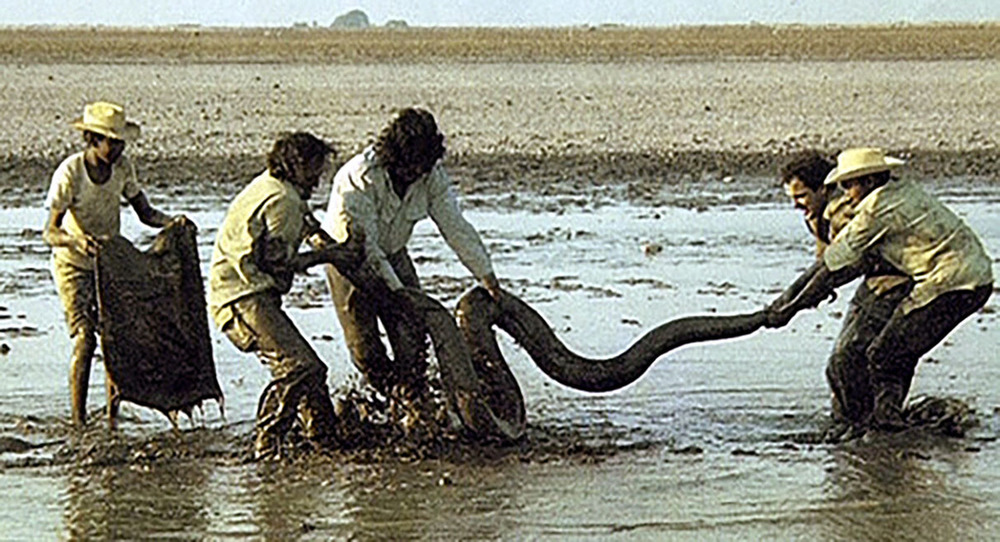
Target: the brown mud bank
pixel 653 177
pixel 195 44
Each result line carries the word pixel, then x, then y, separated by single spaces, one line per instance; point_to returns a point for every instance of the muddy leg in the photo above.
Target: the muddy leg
pixel 847 372
pixel 357 312
pixel 894 354
pixel 84 344
pixel 113 400
pixel 298 386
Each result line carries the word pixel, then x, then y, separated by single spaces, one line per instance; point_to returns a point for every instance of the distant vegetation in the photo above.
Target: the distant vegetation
pixel 306 44
pixel 352 19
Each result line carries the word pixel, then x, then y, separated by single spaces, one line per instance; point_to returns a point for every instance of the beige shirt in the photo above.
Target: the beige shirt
pixel 879 277
pixel 268 209
pixel 92 209
pixel 362 198
pixel 918 235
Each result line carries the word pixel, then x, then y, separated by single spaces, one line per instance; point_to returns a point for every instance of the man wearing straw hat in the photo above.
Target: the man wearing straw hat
pixel 83 202
pixel 826 212
pixel 899 222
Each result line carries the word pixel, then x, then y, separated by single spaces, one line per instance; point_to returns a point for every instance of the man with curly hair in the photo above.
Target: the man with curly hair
pixel 382 193
pixel 255 256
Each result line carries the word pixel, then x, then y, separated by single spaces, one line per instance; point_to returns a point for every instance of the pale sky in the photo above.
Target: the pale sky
pixel 492 12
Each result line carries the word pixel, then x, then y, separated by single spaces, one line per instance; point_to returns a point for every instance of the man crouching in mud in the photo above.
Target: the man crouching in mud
pixel 898 222
pixel 256 254
pixel 84 203
pixel 382 193
pixel 874 300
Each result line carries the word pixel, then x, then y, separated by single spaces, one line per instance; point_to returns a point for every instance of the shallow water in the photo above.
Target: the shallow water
pixel 716 441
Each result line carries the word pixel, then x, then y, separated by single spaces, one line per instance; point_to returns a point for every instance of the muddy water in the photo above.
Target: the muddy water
pixel 716 441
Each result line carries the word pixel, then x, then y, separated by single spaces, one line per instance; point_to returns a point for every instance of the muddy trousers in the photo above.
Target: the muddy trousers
pixel 298 389
pixel 847 370
pixel 893 355
pixel 360 309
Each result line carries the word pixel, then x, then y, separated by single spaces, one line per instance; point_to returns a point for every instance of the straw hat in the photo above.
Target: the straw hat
pixel 854 163
pixel 107 119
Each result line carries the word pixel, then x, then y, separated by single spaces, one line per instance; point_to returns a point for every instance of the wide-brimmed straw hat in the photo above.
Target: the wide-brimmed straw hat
pixel 107 119
pixel 854 163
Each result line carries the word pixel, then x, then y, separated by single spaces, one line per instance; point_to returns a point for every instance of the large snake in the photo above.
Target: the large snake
pixel 484 392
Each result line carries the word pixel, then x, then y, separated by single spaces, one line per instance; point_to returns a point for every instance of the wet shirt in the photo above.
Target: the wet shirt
pixel 880 277
pixel 90 208
pixel 919 236
pixel 267 213
pixel 362 199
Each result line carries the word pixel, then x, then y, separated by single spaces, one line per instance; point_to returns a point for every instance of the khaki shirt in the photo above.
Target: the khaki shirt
pixel 879 277
pixel 362 199
pixel 267 209
pixel 919 236
pixel 92 209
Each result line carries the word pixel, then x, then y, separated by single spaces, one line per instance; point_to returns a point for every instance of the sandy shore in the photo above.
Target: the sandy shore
pixel 628 127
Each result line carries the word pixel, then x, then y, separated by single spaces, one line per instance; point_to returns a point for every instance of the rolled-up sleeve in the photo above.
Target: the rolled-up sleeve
pixel 456 230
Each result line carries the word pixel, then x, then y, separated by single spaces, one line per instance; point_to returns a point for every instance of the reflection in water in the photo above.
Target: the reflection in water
pixel 899 490
pixel 404 500
pixel 288 500
pixel 128 502
pixel 414 501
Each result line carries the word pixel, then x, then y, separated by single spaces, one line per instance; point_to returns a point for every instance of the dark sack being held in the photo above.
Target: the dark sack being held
pixel 153 321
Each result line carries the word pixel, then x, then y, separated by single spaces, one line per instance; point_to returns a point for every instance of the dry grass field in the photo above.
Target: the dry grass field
pixel 584 44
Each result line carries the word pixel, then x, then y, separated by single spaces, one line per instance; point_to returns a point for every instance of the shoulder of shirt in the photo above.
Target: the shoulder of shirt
pixel 438 176
pixel 273 186
pixel 358 167
pixel 124 167
pixel 72 161
pixel 876 196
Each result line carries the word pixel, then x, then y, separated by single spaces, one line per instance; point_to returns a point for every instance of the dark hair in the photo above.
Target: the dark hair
pixel 293 154
pixel 811 167
pixel 411 138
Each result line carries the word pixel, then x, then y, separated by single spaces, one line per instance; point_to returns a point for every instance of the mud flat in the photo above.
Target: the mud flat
pixel 629 112
pixel 575 154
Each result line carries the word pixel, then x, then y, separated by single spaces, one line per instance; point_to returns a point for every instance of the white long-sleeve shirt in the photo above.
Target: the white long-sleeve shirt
pixel 362 199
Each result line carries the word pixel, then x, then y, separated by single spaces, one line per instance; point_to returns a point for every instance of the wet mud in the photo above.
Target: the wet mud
pixel 650 200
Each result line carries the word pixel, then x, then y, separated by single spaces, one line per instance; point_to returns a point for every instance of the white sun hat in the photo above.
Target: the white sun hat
pixel 854 163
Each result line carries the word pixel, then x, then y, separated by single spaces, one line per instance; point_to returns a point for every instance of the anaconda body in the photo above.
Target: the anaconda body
pixel 485 393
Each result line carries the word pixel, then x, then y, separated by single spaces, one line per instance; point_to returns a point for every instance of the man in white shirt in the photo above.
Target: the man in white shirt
pixel 381 194
pixel 901 224
pixel 84 203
